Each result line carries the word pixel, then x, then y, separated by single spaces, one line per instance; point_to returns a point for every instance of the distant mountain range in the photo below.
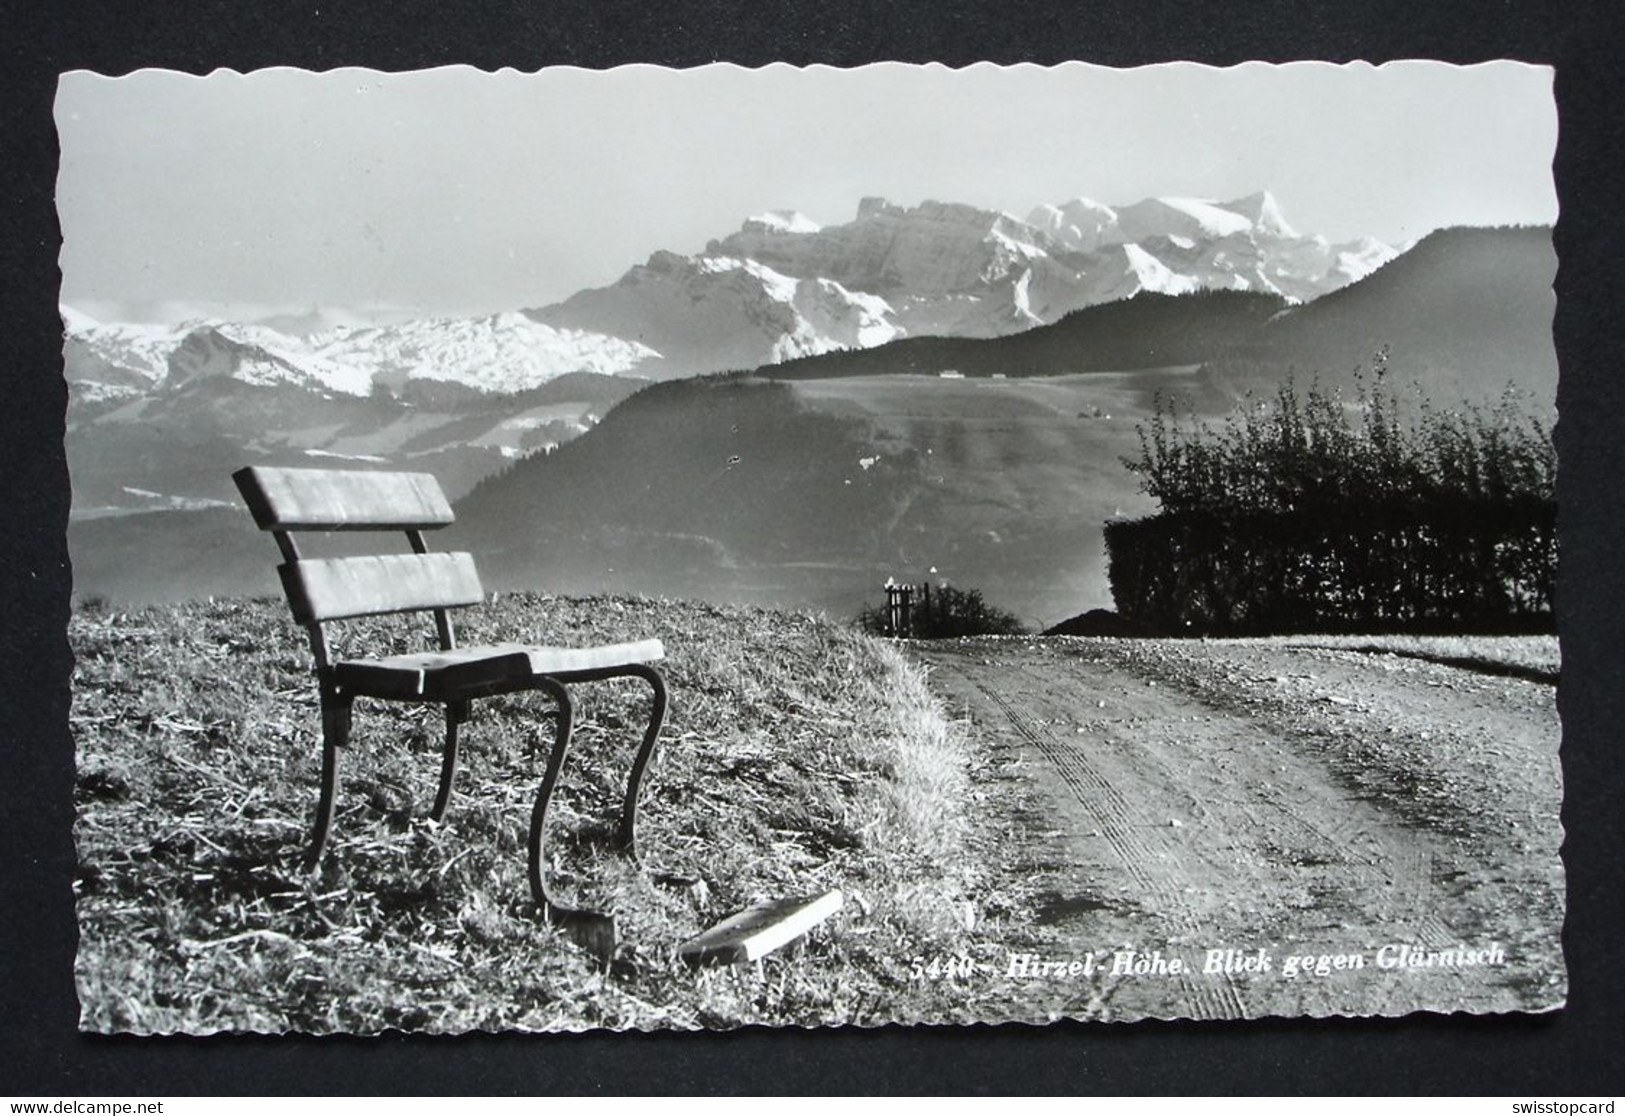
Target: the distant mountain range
pixel 782 287
pixel 1463 315
pixel 990 450
pixel 160 414
pixel 502 354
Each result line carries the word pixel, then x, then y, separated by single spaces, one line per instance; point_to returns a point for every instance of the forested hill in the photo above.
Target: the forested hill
pixel 1146 331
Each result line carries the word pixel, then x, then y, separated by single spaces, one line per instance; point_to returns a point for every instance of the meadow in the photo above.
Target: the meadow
pixel 798 756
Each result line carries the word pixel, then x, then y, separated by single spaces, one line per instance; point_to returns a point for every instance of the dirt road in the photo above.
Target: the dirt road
pixel 1150 805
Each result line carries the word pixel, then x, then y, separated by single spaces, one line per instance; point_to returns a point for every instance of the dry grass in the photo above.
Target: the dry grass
pixel 798 756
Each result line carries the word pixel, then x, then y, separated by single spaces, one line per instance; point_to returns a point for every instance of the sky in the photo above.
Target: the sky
pixel 456 191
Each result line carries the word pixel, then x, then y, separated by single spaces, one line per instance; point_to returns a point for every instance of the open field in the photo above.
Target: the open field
pixel 797 757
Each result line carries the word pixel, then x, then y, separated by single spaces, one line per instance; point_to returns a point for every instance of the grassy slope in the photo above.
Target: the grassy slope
pixel 1020 475
pixel 798 756
pixel 811 494
pixel 1463 313
pixel 719 489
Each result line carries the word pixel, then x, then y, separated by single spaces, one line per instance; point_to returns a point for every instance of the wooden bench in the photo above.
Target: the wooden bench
pixel 321 590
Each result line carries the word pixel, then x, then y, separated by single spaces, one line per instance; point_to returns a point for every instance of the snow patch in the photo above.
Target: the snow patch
pixel 1212 218
pixel 346 456
pixel 176 503
pixel 1154 275
pixel 784 221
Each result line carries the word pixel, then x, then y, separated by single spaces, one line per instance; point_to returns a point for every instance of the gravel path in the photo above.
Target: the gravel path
pixel 1391 818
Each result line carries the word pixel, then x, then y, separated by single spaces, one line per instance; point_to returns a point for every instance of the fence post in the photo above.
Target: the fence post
pixel 897 610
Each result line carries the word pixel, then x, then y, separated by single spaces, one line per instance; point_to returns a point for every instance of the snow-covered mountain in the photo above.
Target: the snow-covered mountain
pixel 114 361
pixel 501 354
pixel 169 409
pixel 260 356
pixel 1246 244
pixel 715 312
pixel 160 415
pixel 784 287
pixel 780 288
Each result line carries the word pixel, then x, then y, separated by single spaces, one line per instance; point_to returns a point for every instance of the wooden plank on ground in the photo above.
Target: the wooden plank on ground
pixel 758 930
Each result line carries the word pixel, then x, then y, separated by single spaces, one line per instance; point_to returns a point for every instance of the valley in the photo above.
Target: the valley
pixel 177 448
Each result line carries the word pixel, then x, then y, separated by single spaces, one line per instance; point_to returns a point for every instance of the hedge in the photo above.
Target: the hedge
pixel 1458 566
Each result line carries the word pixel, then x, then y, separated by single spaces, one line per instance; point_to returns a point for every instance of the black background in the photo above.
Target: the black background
pixel 1576 1050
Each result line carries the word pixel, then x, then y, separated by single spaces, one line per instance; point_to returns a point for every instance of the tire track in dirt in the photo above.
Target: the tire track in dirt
pixel 1122 824
pixel 1194 797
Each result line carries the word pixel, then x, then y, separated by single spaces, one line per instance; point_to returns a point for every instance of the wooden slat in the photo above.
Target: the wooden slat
pixel 342 499
pixel 440 674
pixel 435 676
pixel 759 930
pixel 334 588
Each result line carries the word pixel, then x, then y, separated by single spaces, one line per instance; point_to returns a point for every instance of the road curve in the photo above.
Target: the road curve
pixel 1392 819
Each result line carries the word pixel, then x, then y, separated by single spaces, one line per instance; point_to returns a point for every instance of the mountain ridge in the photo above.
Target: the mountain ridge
pixel 780 288
pixel 944 269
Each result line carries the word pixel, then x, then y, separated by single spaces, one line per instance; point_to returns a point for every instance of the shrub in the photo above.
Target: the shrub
pixel 944 612
pixel 1301 453
pixel 1312 513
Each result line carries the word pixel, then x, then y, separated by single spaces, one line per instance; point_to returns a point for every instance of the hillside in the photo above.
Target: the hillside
pixel 797 757
pixel 691 481
pixel 1463 313
pixel 813 493
pixel 1147 331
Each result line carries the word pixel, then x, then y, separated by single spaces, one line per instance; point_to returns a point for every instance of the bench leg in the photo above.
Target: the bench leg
pixel 335 734
pixel 594 932
pixel 640 766
pixel 456 714
pixel 544 797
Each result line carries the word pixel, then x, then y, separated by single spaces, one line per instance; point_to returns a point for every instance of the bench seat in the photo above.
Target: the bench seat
pixel 471 671
pixel 291 501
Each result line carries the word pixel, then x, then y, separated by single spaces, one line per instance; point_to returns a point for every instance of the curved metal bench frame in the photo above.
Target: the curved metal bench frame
pixel 322 590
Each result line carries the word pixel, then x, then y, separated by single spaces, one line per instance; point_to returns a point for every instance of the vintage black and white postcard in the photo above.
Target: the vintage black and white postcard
pixel 684 549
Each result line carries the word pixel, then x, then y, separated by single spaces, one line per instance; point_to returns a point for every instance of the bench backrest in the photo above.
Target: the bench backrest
pixel 284 501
